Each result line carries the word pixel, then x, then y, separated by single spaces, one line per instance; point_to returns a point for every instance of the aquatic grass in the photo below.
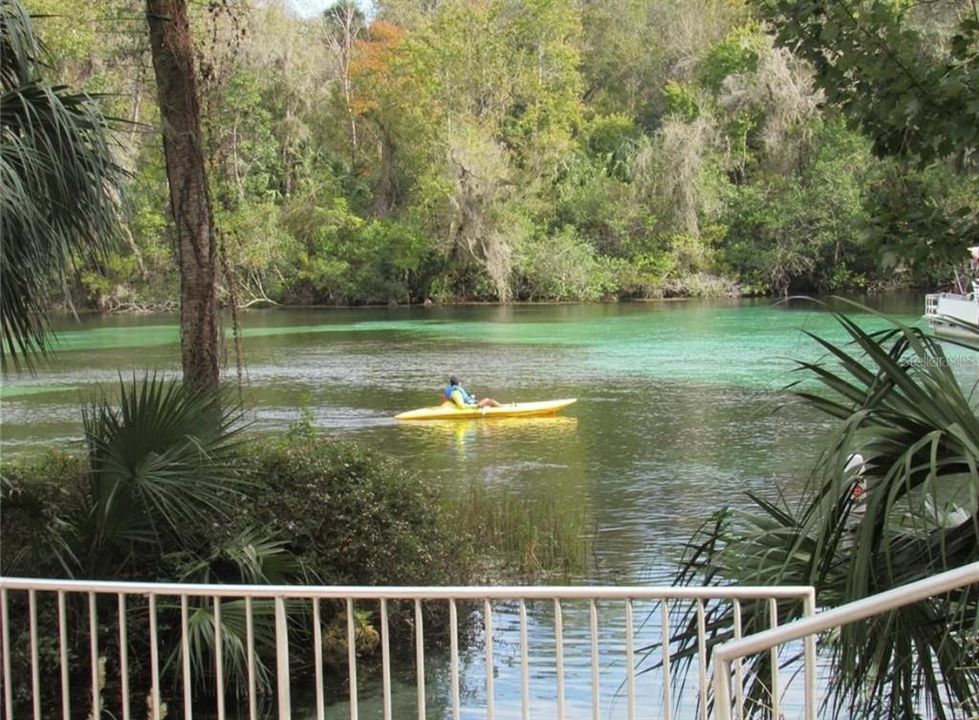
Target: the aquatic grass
pixel 533 536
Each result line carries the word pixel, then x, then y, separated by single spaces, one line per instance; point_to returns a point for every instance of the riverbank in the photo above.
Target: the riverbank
pixel 732 291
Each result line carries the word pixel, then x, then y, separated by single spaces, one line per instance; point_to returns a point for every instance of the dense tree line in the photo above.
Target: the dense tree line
pixel 529 150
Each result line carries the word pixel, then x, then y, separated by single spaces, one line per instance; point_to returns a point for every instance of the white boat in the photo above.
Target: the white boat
pixel 952 313
pixel 956 314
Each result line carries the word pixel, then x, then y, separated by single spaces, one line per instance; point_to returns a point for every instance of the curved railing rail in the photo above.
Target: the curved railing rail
pixel 732 652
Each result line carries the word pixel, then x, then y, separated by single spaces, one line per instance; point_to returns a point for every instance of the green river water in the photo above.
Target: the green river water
pixel 678 413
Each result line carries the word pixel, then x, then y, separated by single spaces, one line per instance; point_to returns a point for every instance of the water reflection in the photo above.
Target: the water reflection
pixel 585 688
pixel 463 434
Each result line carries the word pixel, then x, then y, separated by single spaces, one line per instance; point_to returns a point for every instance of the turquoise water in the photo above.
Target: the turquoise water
pixel 679 404
pixel 679 412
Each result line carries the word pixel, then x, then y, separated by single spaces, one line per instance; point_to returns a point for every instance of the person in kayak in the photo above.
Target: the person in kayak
pixel 462 398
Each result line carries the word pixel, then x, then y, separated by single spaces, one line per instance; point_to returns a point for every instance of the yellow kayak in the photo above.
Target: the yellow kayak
pixel 448 411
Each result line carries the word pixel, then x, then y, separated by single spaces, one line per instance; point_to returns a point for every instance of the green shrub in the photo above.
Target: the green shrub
pixel 315 510
pixel 348 514
pixel 347 259
pixel 354 517
pixel 39 497
pixel 737 53
pixel 682 100
pixel 351 515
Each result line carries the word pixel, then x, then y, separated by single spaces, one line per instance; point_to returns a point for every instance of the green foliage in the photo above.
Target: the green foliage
pixel 563 267
pixel 801 233
pixel 302 427
pixel 911 86
pixel 259 252
pixel 611 140
pixel 921 219
pixel 350 260
pixel 366 639
pixel 150 500
pixel 736 54
pixel 158 466
pixel 896 402
pixel 353 516
pixel 245 148
pixel 620 52
pixel 165 493
pixel 589 195
pixel 533 536
pixel 158 461
pixel 910 94
pixel 441 148
pixel 39 500
pixel 681 101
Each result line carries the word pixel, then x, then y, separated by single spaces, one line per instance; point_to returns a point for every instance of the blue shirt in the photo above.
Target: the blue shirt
pixel 467 397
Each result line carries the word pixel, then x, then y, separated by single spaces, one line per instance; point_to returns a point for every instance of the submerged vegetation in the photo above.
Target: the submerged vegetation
pixel 531 149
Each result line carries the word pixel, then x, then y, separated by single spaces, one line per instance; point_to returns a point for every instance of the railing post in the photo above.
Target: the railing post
pixel 8 681
pixel 63 656
pixel 809 609
pixel 352 659
pixel 219 657
pixel 282 658
pixel 722 689
pixel 93 647
pixel 776 690
pixel 490 667
pixel 155 702
pixel 420 659
pixel 559 656
pixel 188 682
pixel 124 659
pixel 630 662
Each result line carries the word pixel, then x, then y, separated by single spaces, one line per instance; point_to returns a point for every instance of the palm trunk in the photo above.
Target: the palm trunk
pixel 176 82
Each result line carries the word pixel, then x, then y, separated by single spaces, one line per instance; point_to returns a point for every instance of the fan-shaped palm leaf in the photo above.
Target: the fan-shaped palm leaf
pixel 234 642
pixel 159 463
pixel 248 557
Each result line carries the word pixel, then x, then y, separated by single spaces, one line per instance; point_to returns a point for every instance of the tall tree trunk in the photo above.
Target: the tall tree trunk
pixel 176 82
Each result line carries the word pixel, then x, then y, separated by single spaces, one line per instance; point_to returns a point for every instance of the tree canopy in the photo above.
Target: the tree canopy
pixel 548 149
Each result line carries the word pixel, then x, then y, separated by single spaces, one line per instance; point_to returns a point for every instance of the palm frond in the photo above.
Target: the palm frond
pixel 902 409
pixel 248 556
pixel 234 641
pixel 56 174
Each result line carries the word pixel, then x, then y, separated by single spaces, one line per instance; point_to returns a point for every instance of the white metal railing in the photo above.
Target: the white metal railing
pixel 109 611
pixel 769 640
